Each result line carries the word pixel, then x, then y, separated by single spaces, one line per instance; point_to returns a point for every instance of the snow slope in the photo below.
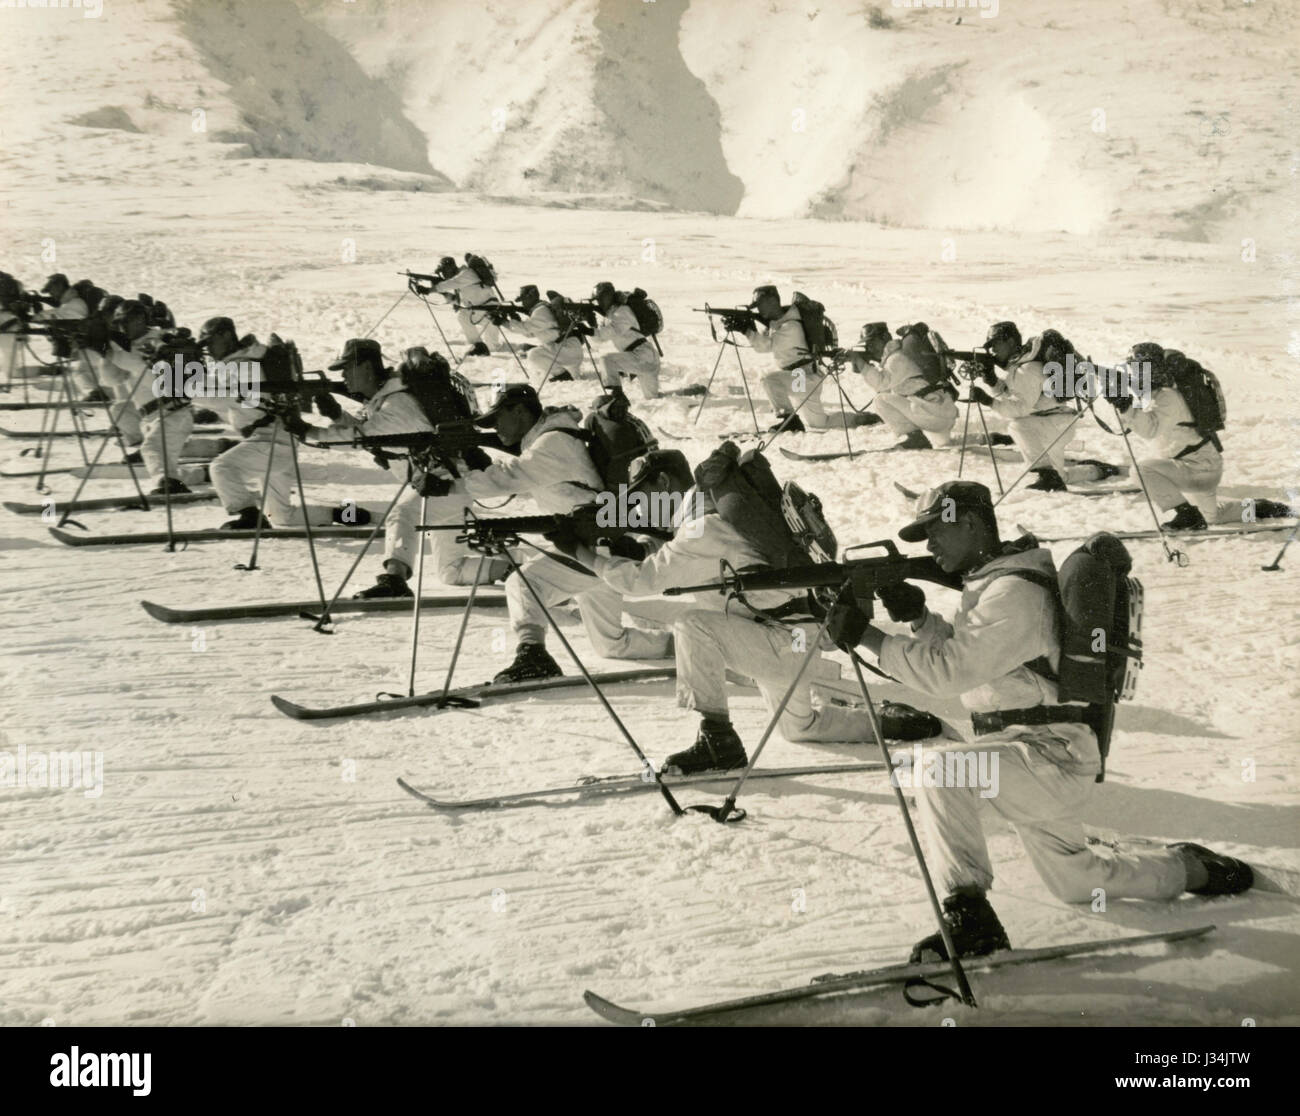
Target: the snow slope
pixel 240 867
pixel 243 868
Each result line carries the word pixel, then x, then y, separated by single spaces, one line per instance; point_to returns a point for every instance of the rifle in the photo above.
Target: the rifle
pixel 498 312
pixel 864 575
pixel 735 319
pixel 445 442
pixel 580 315
pixel 505 530
pixel 979 357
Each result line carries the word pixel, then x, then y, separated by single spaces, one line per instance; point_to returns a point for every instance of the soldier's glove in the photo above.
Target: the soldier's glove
pixel 625 546
pixel 846 623
pixel 564 537
pixel 1123 403
pixel 980 396
pixel 988 374
pixel 293 422
pixel 904 602
pixel 328 406
pixel 433 485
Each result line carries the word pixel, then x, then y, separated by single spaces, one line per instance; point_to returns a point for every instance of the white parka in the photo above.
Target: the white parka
pixel 553 469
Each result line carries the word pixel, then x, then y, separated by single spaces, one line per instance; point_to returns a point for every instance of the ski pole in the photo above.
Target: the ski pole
pixel 167 473
pixel 261 504
pixel 446 698
pixel 389 311
pixel 961 457
pixel 1178 557
pixel 324 618
pixel 993 457
pixel 727 811
pixel 744 382
pixel 1276 561
pixel 622 728
pixel 722 348
pixel 419 592
pixel 306 525
pixel 967 996
pixel 1042 453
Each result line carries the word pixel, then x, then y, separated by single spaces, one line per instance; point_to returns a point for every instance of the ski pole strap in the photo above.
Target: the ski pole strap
pixel 943 993
pixel 999 719
pixel 636 344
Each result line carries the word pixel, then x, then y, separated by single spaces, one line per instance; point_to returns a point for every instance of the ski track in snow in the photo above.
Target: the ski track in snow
pixel 241 867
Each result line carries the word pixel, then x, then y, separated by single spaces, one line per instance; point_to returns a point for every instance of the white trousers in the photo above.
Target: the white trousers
pixel 631 365
pixel 544 358
pixel 782 390
pixel 239 473
pixel 174 429
pixel 1192 479
pixel 601 608
pixel 1033 434
pixel 453 562
pixel 934 412
pixel 477 326
pixel 1045 804
pixel 711 643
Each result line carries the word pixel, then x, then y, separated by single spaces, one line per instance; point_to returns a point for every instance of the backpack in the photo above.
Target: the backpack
pixel 802 512
pixel 614 438
pixel 649 318
pixel 927 351
pixel 486 273
pixel 749 498
pixel 1100 611
pixel 818 330
pixel 1202 392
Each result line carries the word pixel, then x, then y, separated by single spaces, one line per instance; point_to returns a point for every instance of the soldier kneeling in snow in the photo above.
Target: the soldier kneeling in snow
pixel 1001 652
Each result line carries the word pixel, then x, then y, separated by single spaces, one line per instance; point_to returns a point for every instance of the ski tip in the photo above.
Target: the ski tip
pixel 159 612
pixel 289 708
pixel 614 1014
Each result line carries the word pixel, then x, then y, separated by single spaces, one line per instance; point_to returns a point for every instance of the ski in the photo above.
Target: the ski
pixel 295 608
pixel 46 406
pixel 140 538
pixel 125 502
pixel 596 786
pixel 1217 532
pixel 191 472
pixel 1002 453
pixel 486 691
pixel 870 978
pixel 37 435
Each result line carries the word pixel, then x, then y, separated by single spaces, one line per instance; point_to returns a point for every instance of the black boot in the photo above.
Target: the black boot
pixel 903 722
pixel 386 585
pixel 716 748
pixel 478 349
pixel 1001 440
pixel 245 520
pixel 169 485
pixel 1106 469
pixel 562 374
pixel 1187 517
pixel 133 458
pixel 359 517
pixel 204 417
pixel 791 424
pixel 973 926
pixel 915 440
pixel 1273 509
pixel 97 395
pixel 1048 480
pixel 532 662
pixel 1228 875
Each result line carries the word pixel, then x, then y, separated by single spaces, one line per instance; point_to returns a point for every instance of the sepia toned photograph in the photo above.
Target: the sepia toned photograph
pixel 650 513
